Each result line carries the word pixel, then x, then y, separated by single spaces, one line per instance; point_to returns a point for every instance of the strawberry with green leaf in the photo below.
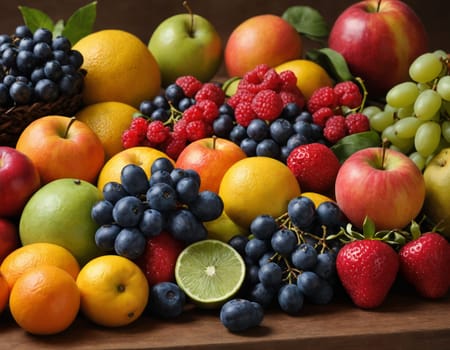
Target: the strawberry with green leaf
pixel 367 265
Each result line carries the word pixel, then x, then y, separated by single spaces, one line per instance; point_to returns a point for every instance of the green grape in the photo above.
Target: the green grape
pixel 425 68
pixel 443 87
pixel 418 159
pixel 370 111
pixel 381 120
pixel 445 129
pixel 440 53
pixel 427 104
pixel 401 144
pixel 389 108
pixel 404 112
pixel 445 110
pixel 407 127
pixel 423 86
pixel 427 138
pixel 402 95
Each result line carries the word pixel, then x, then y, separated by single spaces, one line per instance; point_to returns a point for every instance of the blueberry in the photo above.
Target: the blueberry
pixel 113 191
pixel 166 300
pixel 53 70
pixel 101 212
pixel 326 266
pixel 304 257
pixel 161 102
pixel 23 31
pixel 280 130
pixel 161 164
pixel 26 44
pixel 258 129
pixel 128 211
pixel 43 35
pixel 160 114
pixel 255 248
pixel 161 176
pixel 174 94
pixel 290 111
pixel 146 107
pixel 185 226
pixel 46 90
pixel 301 211
pixel 270 275
pixel 152 223
pixel 4 95
pixel 223 125
pixel 248 145
pixel 262 295
pixel 284 241
pixel 238 315
pixel 134 179
pixel 68 85
pixel 21 93
pixel 187 189
pixel 61 43
pixel 268 148
pixel 37 74
pixel 61 57
pixel 330 215
pixel 75 59
pixel 8 58
pixel 130 243
pixel 206 206
pixel 309 283
pixel 162 197
pixel 290 299
pixel 263 226
pixel 238 133
pixel 105 236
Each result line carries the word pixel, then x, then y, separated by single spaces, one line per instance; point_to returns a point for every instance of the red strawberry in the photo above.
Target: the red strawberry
pixel 425 263
pixel 159 258
pixel 367 269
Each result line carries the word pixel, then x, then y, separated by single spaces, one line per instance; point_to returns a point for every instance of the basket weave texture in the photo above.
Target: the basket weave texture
pixel 15 119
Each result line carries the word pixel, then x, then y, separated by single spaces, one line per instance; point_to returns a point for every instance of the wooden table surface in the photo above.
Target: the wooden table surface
pixel 404 322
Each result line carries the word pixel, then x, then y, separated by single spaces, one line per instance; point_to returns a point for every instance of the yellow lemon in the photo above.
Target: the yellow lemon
pixel 310 75
pixel 108 120
pixel 317 198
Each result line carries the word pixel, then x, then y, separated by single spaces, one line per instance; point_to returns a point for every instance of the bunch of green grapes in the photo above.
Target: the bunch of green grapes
pixel 416 116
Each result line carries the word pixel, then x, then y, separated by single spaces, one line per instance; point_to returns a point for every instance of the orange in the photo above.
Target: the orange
pixel 45 300
pixel 4 293
pixel 108 120
pixel 317 198
pixel 119 68
pixel 114 290
pixel 310 75
pixel 140 155
pixel 257 185
pixel 36 254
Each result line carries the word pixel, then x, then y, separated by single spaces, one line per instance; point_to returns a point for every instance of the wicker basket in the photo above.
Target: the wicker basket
pixel 15 119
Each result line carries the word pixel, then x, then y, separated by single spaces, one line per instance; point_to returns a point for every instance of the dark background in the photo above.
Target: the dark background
pixel 141 17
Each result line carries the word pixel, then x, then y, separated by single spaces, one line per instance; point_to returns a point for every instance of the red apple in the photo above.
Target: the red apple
pixel 379 39
pixel 261 39
pixel 210 158
pixel 9 238
pixel 62 147
pixel 19 179
pixel 387 187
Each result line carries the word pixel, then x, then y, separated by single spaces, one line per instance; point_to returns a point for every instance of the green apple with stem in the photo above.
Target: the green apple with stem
pixel 186 44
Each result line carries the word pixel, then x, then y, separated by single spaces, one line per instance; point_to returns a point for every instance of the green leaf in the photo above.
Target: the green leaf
pixel 307 21
pixel 348 145
pixel 368 228
pixel 332 61
pixel 58 28
pixel 80 23
pixel 34 18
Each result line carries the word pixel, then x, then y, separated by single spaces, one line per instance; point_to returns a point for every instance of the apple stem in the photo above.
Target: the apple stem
pixel 191 27
pixel 383 151
pixel 72 119
pixel 214 138
pixel 378 5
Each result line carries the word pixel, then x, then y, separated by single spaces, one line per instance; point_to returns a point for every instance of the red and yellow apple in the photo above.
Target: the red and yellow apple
pixel 9 238
pixel 387 187
pixel 210 158
pixel 62 147
pixel 19 179
pixel 379 39
pixel 267 39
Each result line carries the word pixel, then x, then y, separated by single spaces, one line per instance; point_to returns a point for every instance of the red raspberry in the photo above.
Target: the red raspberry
pixel 322 97
pixel 256 75
pixel 189 84
pixel 289 80
pixel 321 116
pixel 211 91
pixel 194 112
pixel 174 145
pixel 357 122
pixel 196 130
pixel 292 96
pixel 348 94
pixel 335 129
pixel 240 96
pixel 267 105
pixel 130 138
pixel 140 124
pixel 315 166
pixel 210 111
pixel 157 132
pixel 262 77
pixel 244 113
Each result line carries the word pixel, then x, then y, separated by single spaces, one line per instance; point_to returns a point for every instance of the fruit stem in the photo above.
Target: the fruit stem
pixel 214 139
pixel 383 152
pixel 191 27
pixel 378 5
pixel 72 119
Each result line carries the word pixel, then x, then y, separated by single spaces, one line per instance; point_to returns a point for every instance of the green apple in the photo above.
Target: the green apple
pixel 186 44
pixel 60 213
pixel 437 183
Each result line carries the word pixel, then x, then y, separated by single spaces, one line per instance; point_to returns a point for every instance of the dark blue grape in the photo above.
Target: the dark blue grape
pixel 146 107
pixel 193 174
pixel 262 294
pixel 309 283
pixel 326 266
pixel 284 241
pixel 22 31
pixel 61 57
pixel 152 223
pixel 266 257
pixel 324 295
pixel 75 59
pixel 134 179
pixel 316 132
pixel 255 248
pixel 105 237
pixel 329 214
pixel 61 43
pixel 128 211
pixel 238 133
pixel 43 35
pixel 174 93
pixel 304 257
pixel 225 108
pixel 4 95
pixel 8 58
pixel 290 299
pixel 166 300
pixel 185 103
pixel 130 243
pixel 263 226
pixel 160 114
pixel 161 102
pixel 301 211
pixel 21 92
pixel 296 140
pixel 207 206
pixel 258 129
pixel 223 125
pixel 161 164
pixel 161 176
pixel 177 174
pixel 53 70
pixel 238 315
pixel 303 128
pixel 270 275
pixel 46 90
pixel 187 190
pixel 113 191
pixel 185 226
pixel 8 80
pixel 290 111
pixel 26 44
pixel 251 274
pixel 304 116
pixel 238 242
pixel 280 130
pixel 162 197
pixel 68 85
pixel 101 212
pixel 42 51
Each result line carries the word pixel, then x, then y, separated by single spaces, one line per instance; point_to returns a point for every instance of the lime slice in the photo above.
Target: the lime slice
pixel 210 272
pixel 230 86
